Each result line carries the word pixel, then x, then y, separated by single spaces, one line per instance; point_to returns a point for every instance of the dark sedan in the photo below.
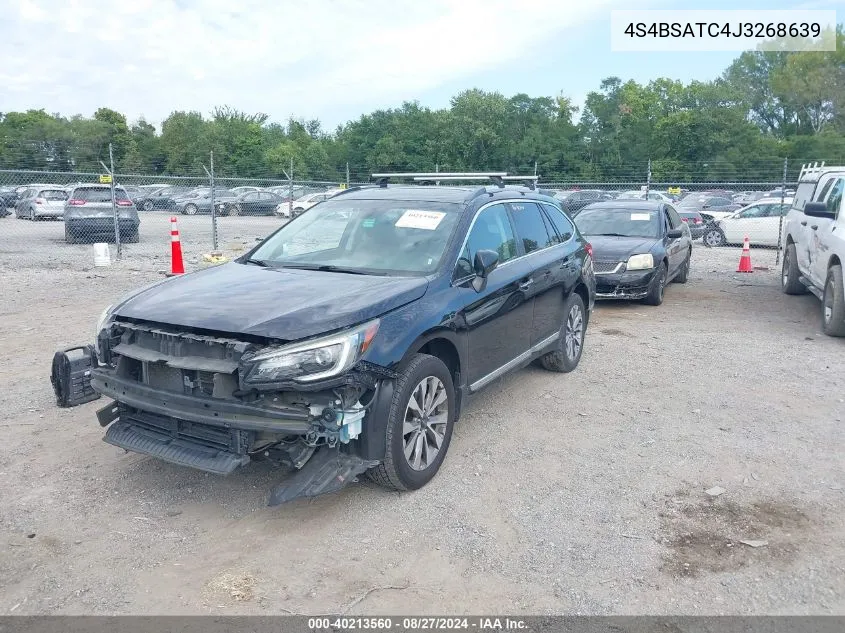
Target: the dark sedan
pixel 695 221
pixel 639 246
pixel 164 198
pixel 574 201
pixel 251 203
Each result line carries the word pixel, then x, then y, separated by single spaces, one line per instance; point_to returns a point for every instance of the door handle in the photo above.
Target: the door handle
pixel 804 223
pixel 525 285
pixel 815 227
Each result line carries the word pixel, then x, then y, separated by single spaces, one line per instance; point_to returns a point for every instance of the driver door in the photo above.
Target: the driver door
pixel 496 321
pixel 822 231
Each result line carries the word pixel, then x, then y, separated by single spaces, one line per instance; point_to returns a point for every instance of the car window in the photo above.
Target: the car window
pixel 834 198
pixel 530 226
pixel 824 190
pixel 564 226
pixel 98 194
pixel 674 219
pixel 754 211
pixel 621 222
pixel 491 231
pixel 53 194
pixel 718 202
pixel 250 197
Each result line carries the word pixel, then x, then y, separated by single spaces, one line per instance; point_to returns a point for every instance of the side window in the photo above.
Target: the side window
pixel 754 211
pixel 561 222
pixel 834 199
pixel 824 190
pixel 530 226
pixel 674 219
pixel 491 231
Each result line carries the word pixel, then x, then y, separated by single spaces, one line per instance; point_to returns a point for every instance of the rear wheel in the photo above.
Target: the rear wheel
pixel 789 279
pixel 658 285
pixel 190 209
pixel 571 341
pixel 234 209
pixel 148 205
pixel 833 303
pixel 70 236
pixel 419 425
pixel 32 215
pixel 132 238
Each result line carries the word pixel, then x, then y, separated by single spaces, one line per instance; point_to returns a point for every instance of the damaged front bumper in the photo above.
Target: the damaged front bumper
pixel 629 285
pixel 327 433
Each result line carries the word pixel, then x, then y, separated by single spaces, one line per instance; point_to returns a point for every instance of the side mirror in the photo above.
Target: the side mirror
pixel 674 234
pixel 485 262
pixel 818 210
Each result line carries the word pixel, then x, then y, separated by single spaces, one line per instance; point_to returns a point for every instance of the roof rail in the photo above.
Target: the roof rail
pixel 807 169
pixel 528 181
pixel 381 179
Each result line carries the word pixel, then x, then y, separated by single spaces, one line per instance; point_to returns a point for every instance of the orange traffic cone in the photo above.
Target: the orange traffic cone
pixel 745 258
pixel 177 266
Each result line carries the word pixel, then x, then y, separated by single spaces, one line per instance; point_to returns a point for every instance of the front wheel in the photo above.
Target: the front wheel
pixel 833 303
pixel 190 209
pixel 419 425
pixel 789 279
pixel 713 237
pixel 571 342
pixel 234 209
pixel 658 285
pixel 148 205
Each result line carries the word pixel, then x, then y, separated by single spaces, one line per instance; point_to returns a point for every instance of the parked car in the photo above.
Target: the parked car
pixel 815 249
pixel 200 201
pixel 25 194
pixel 695 222
pixel 710 207
pixel 641 195
pixel 301 205
pixel 577 200
pixel 747 197
pixel 89 215
pixel 164 198
pixel 245 189
pixel 340 348
pixel 251 203
pixel 42 202
pixel 760 222
pixel 639 246
pixel 8 200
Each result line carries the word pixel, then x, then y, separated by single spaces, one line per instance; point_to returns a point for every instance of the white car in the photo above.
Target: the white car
pixel 760 222
pixel 640 195
pixel 301 205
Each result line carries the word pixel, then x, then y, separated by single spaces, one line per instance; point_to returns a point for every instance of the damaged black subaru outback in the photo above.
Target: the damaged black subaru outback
pixel 349 339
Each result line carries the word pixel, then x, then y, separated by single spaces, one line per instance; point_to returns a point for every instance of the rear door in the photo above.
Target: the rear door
pixel 676 247
pixel 539 242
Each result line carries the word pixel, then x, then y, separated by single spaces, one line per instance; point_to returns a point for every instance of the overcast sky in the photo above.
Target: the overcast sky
pixel 326 59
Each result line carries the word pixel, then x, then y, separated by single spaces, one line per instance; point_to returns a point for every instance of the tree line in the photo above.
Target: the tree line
pixel 764 107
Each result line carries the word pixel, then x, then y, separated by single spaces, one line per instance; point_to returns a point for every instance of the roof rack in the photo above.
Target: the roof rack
pixel 381 179
pixel 807 169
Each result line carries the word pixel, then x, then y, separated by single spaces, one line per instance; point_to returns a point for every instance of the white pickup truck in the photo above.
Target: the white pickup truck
pixel 814 243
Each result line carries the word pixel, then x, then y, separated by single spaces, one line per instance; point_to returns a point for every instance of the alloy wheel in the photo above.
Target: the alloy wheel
pixel 573 332
pixel 424 425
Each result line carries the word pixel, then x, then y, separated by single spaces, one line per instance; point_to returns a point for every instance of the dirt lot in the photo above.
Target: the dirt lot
pixel 582 493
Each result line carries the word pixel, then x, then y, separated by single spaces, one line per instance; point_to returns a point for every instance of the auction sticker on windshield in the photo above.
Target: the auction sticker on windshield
pixel 428 220
pixel 645 217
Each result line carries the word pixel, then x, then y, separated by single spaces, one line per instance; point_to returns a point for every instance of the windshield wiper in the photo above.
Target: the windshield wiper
pixel 330 268
pixel 257 262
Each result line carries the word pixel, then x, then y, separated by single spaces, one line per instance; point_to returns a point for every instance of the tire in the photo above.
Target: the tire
pixel 658 285
pixel 233 210
pixel 833 303
pixel 790 274
pixel 396 471
pixel 296 213
pixel 713 237
pixel 132 238
pixel 190 209
pixel 683 275
pixel 148 205
pixel 71 237
pixel 32 215
pixel 571 342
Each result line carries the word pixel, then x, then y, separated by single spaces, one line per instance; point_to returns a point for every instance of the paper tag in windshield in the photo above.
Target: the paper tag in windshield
pixel 642 217
pixel 428 220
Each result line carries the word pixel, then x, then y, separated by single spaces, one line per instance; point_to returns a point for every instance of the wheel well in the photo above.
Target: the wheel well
pixel 445 351
pixel 834 261
pixel 581 290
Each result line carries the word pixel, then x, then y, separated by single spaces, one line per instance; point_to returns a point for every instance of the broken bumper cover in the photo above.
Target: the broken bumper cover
pixel 628 285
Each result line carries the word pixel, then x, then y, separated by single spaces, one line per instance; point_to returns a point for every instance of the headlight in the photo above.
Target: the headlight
pixel 101 323
pixel 640 262
pixel 312 360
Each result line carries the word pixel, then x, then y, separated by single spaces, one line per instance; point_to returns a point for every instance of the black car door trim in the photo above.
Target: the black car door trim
pixel 485 380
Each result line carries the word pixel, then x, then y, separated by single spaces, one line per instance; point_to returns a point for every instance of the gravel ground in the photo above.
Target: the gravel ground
pixel 580 494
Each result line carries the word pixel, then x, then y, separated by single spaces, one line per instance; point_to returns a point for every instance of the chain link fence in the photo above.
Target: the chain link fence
pixel 51 219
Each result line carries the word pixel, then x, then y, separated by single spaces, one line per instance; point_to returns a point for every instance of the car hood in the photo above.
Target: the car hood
pixel 286 304
pixel 608 248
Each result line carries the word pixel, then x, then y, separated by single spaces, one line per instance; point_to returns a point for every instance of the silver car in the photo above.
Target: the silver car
pixel 42 202
pixel 89 215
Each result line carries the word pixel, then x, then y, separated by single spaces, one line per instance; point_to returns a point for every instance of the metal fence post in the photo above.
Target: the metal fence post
pixel 213 206
pixel 347 174
pixel 115 215
pixel 290 189
pixel 780 219
pixel 648 179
